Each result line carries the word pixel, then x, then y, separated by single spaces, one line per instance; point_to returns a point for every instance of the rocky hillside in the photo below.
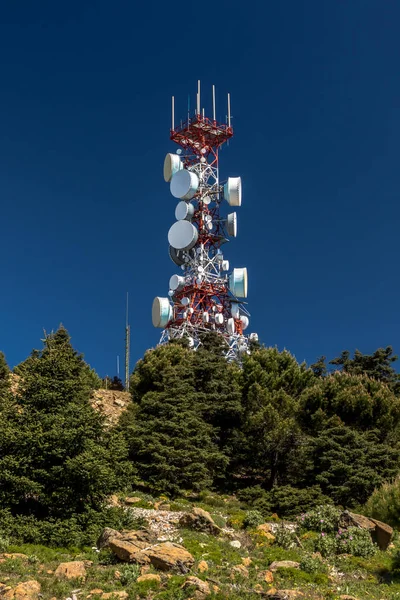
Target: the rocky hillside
pixel 180 551
pixel 110 403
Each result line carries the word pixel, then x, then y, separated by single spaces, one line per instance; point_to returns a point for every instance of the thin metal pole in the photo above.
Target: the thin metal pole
pixel 198 97
pixel 229 110
pixel 127 344
pixel 173 113
pixel 213 94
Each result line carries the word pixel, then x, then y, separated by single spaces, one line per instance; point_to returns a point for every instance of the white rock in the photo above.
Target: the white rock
pixel 235 544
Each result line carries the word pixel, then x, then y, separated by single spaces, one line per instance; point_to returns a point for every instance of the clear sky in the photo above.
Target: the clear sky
pixel 85 92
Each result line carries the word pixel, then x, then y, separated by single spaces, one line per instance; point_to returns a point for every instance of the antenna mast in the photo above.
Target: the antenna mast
pixel 127 344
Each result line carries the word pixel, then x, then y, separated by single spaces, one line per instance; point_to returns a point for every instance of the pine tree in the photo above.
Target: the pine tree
pixel 353 439
pixel 62 461
pixel 271 440
pixel 172 446
pixel 377 365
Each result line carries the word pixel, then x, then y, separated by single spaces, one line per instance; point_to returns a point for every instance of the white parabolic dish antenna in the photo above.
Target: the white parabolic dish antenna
pixel 161 312
pixel 176 282
pixel 183 235
pixel 172 164
pixel 184 210
pixel 231 224
pixel 184 184
pixel 238 282
pixel 233 191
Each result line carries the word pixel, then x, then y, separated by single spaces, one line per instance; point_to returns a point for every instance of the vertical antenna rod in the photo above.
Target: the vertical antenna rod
pixel 229 110
pixel 127 345
pixel 198 97
pixel 117 365
pixel 173 113
pixel 213 94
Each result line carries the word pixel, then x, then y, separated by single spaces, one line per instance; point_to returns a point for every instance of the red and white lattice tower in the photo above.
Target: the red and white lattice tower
pixel 206 295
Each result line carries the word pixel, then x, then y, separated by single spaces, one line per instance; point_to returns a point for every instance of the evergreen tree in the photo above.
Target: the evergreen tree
pixel 62 461
pixel 173 447
pixel 352 427
pixel 271 440
pixel 377 365
pixel 116 384
pixel 319 367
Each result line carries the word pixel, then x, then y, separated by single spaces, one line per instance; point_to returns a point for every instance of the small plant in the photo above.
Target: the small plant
pixel 384 503
pixel 4 542
pixel 33 559
pixel 326 544
pixel 106 557
pixel 252 519
pixel 129 574
pixel 285 538
pixel 355 541
pixel 311 565
pixel 324 518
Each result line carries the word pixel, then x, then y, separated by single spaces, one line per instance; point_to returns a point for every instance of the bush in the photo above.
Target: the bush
pixel 323 518
pixel 384 503
pixel 286 500
pixel 252 519
pixel 355 541
pixel 129 574
pixel 311 565
pixel 4 542
pixel 284 537
pixel 326 544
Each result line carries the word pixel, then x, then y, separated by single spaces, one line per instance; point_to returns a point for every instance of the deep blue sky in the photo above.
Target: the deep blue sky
pixel 85 93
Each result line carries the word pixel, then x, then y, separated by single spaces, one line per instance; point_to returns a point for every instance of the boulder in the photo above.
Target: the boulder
pixel 246 561
pixel 202 588
pixel 166 556
pixel 383 534
pixel 132 500
pixel 29 590
pixel 235 544
pixel 127 551
pixel 106 535
pixel 349 519
pixel 96 591
pixel 141 535
pixel 283 564
pixel 71 570
pixel 149 577
pixel 265 528
pixel 201 520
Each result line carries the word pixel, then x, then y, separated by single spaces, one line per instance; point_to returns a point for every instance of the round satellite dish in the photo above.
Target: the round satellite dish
pixel 207 200
pixel 219 318
pixel 230 326
pixel 233 191
pixel 202 160
pixel 253 337
pixel 184 314
pixel 242 349
pixel 191 311
pixel 208 218
pixel 203 150
pixel 179 151
pixel 225 265
pixel 206 317
pixel 184 184
pixel 185 301
pixel 184 211
pixel 245 322
pixel 183 235
pixel 172 164
pixel 190 342
pixel 161 312
pixel 180 257
pixel 235 310
pixel 200 269
pixel 231 224
pixel 238 282
pixel 176 282
pixel 209 226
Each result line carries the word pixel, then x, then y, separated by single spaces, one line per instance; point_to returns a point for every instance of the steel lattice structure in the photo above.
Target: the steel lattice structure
pixel 204 297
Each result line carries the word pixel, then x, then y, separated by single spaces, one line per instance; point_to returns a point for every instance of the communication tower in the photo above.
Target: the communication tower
pixel 206 295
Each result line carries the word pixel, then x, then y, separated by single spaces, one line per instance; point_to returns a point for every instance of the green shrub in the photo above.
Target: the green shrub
pixel 384 503
pixel 326 544
pixel 309 564
pixel 252 519
pixel 129 573
pixel 286 501
pixel 284 537
pixel 4 542
pixel 355 541
pixel 323 518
